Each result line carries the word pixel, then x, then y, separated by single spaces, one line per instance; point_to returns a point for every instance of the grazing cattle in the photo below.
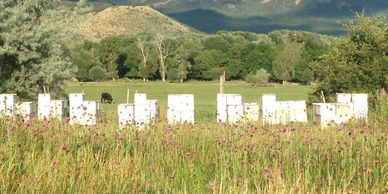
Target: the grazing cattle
pixel 106 97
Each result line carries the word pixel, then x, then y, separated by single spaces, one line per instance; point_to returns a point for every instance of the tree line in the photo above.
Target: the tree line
pixel 283 55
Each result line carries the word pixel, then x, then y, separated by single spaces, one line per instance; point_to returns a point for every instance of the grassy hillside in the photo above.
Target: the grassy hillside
pixel 122 20
pixel 263 15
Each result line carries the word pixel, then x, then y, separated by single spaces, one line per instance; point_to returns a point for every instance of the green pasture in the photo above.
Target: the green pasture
pixel 205 93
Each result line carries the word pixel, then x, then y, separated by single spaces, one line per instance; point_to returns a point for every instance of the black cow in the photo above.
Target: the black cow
pixel 107 98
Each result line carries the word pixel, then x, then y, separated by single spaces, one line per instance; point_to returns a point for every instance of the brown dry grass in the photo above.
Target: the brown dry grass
pixel 129 20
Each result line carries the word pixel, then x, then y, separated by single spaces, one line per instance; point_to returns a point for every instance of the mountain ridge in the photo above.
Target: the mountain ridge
pixel 320 16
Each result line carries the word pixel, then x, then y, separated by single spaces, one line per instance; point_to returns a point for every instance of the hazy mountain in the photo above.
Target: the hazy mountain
pixel 263 15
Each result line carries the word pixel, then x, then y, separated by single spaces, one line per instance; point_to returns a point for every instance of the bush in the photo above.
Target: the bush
pixel 98 73
pixel 260 78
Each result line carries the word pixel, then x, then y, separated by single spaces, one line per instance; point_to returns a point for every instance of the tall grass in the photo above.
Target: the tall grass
pixel 50 157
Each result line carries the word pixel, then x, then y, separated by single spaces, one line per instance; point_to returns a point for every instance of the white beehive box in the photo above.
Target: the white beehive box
pixel 75 111
pixel 90 113
pixel 298 111
pixel 282 112
pixel 235 113
pixel 154 110
pixel 7 104
pixel 344 112
pixel 26 110
pixel 344 98
pixel 179 104
pixel 126 114
pixel 140 98
pixel 251 112
pixel 360 106
pixel 173 112
pixel 44 106
pixel 324 113
pixel 233 99
pixel 187 117
pixel 222 111
pixel 58 109
pixel 142 115
pixel 268 107
pixel 223 101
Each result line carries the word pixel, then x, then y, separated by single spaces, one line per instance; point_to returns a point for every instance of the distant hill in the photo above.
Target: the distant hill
pixel 123 20
pixel 263 15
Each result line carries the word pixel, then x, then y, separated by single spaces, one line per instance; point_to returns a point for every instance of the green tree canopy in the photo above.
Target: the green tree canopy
pixel 358 61
pixel 31 54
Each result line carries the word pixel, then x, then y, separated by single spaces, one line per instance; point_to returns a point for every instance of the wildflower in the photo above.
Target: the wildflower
pixel 65 147
pixel 265 169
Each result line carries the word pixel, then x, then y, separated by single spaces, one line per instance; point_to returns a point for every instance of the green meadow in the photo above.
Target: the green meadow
pixel 205 93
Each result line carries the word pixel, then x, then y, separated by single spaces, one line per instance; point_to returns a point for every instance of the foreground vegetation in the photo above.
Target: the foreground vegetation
pixel 58 158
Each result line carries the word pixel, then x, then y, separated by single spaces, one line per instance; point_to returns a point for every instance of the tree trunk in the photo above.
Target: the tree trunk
pixel 181 80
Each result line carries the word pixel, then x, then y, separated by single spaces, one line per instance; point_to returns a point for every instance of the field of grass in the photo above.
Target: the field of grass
pixel 52 157
pixel 38 157
pixel 205 93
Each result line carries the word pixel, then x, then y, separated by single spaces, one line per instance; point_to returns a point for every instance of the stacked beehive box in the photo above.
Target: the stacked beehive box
pixel 180 108
pixel 26 110
pixel 126 115
pixel 90 111
pixel 140 114
pixel 268 107
pixel 48 108
pixel 44 106
pixel 283 112
pixel 229 108
pixel 251 111
pixel 299 111
pixel 360 106
pixel 7 104
pixel 75 109
pixel 324 114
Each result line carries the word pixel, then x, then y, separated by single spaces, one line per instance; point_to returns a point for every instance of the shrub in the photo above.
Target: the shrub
pixel 260 78
pixel 97 73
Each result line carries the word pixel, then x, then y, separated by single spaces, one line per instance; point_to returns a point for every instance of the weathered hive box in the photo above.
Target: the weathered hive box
pixel 154 110
pixel 343 112
pixel 26 110
pixel 235 113
pixel 7 104
pixel 75 111
pixel 324 113
pixel 223 101
pixel 282 112
pixel 59 109
pixel 360 106
pixel 268 106
pixel 126 115
pixel 142 115
pixel 90 113
pixel 44 106
pixel 251 112
pixel 140 98
pixel 180 108
pixel 299 111
pixel 344 98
